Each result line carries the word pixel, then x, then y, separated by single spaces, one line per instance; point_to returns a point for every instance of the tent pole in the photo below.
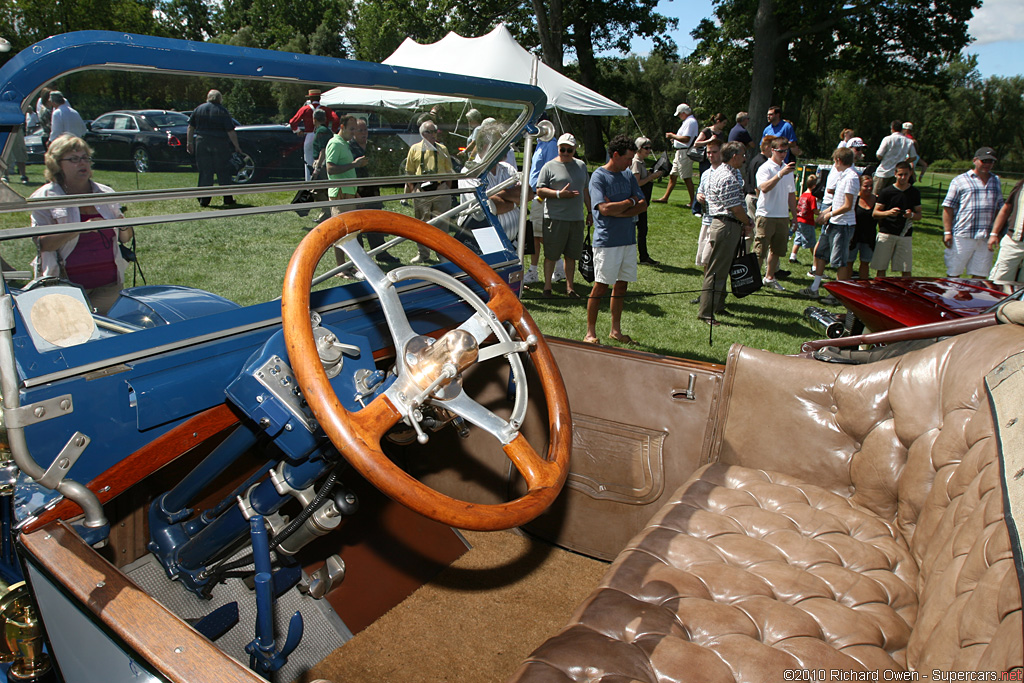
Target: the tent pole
pixel 524 197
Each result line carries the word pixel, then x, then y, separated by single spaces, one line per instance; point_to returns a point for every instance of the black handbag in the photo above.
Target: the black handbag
pixel 303 196
pixel 695 153
pixel 586 261
pixel 745 273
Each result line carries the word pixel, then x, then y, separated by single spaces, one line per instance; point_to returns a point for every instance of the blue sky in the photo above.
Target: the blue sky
pixel 997 26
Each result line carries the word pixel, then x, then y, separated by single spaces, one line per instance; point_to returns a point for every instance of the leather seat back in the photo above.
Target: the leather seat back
pixel 911 439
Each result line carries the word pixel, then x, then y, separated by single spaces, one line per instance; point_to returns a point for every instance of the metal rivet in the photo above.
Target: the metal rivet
pixel 104 489
pixel 100 584
pixel 65 404
pixel 64 463
pixel 178 650
pixel 39 411
pixel 80 441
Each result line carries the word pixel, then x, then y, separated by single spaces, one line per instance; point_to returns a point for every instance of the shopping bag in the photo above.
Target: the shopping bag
pixel 586 261
pixel 745 273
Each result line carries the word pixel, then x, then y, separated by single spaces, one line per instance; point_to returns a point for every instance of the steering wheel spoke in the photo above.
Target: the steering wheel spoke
pixel 429 371
pixel 384 285
pixel 476 414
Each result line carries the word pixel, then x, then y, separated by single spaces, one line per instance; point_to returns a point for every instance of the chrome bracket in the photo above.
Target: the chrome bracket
pixel 323 580
pixel 64 461
pixel 41 411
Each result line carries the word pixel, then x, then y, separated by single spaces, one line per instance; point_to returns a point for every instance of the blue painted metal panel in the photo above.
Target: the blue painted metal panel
pixel 172 386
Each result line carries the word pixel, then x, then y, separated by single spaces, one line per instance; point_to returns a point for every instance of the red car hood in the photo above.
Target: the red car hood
pixel 891 302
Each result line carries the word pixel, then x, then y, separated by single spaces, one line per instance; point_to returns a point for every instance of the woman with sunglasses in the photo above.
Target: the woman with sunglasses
pixel 91 258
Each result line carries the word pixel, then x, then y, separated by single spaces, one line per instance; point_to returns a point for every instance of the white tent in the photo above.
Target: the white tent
pixel 393 99
pixel 497 55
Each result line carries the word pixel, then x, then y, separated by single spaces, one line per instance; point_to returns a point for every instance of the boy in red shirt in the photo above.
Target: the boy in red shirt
pixel 806 212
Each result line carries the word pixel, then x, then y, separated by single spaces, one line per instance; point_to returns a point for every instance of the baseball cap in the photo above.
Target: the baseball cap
pixel 567 139
pixel 641 141
pixel 856 142
pixel 908 126
pixel 985 154
pixel 683 109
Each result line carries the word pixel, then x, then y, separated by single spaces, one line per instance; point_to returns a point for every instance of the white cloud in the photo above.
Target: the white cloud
pixel 998 20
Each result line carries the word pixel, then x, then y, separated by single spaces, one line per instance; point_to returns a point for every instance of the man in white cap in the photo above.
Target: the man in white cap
pixel 562 184
pixel 682 140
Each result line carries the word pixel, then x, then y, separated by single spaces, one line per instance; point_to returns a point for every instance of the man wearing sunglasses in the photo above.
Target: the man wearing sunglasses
pixel 562 184
pixel 968 213
pixel 776 210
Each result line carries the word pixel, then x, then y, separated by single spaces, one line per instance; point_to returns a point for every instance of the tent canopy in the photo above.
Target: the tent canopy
pixel 497 55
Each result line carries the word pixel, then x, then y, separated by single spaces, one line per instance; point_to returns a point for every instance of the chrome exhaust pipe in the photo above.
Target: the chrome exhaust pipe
pixel 827 321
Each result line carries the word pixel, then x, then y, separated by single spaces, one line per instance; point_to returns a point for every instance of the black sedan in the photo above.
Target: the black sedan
pixel 147 139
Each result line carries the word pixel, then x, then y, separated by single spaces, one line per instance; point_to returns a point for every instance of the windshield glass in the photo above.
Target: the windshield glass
pixel 167 120
pixel 221 209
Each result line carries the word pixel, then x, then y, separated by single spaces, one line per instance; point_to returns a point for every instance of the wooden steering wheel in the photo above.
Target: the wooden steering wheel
pixel 429 371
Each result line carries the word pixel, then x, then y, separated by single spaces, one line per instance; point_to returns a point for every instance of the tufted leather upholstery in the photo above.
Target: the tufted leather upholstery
pixel 853 520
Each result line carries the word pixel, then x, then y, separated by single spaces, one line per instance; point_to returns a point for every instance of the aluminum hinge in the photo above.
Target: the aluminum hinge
pixel 65 460
pixel 40 411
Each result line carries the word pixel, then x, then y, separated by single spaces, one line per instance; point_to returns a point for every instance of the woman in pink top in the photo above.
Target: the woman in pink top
pixel 91 258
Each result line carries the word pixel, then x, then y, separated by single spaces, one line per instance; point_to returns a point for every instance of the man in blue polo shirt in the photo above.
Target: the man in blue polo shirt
pixel 617 200
pixel 781 128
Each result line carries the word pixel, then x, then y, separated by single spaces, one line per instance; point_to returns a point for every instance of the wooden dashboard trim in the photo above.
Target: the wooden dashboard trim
pixel 170 646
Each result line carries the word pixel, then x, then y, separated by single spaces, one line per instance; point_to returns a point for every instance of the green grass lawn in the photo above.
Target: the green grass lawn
pixel 660 318
pixel 244 259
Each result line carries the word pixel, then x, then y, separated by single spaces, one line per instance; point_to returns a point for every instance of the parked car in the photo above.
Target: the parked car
pixel 155 139
pixel 889 303
pixel 34 145
pixel 147 139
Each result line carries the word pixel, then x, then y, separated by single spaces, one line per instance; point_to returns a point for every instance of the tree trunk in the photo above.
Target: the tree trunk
pixel 762 79
pixel 584 44
pixel 550 29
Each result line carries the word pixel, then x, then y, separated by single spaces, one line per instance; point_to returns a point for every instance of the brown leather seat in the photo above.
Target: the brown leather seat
pixel 853 521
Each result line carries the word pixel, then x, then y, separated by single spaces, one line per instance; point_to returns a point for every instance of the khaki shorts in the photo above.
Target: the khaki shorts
pixel 563 238
pixel 682 165
pixel 770 234
pixel 615 264
pixel 879 184
pixel 893 253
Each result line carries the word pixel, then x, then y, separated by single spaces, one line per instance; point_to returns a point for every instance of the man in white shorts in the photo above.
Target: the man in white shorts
pixel 682 140
pixel 968 213
pixel 617 200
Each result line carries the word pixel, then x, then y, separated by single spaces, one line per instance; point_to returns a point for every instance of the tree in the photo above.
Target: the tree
pixel 588 28
pixel 796 43
pixel 24 22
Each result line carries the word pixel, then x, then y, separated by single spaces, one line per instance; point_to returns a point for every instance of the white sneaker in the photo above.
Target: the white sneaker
pixel 772 283
pixel 531 276
pixel 559 273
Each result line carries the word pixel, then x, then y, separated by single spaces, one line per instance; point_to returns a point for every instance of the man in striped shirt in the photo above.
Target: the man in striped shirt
pixel 729 223
pixel 968 213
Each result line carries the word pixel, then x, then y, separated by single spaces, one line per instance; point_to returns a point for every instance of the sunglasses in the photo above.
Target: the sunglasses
pixel 566 150
pixel 646 147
